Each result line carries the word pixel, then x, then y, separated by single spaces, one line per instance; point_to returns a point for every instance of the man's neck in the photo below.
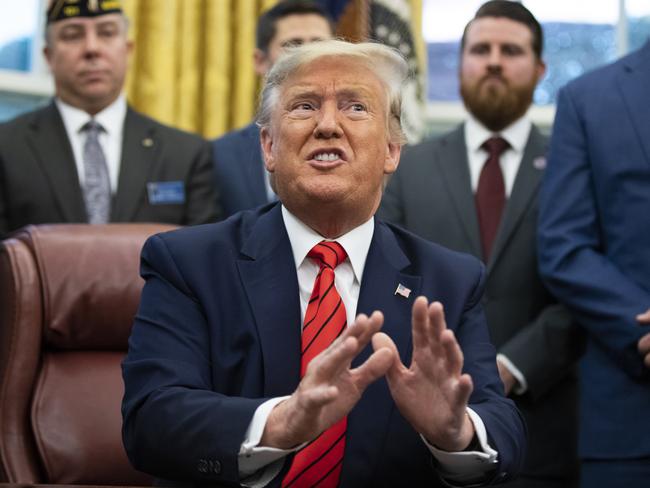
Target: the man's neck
pixel 89 107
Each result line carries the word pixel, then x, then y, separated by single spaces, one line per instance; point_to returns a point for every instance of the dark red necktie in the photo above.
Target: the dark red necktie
pixel 490 194
pixel 319 462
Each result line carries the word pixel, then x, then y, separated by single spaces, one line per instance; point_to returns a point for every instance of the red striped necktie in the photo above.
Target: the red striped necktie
pixel 319 462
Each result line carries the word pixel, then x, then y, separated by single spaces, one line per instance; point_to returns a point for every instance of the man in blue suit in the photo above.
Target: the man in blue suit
pixel 217 387
pixel 238 165
pixel 594 252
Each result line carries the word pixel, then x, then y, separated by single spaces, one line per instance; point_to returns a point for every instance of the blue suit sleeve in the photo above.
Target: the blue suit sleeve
pixel 572 251
pixel 175 424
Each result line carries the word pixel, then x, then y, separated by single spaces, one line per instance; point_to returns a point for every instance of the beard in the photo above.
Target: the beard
pixel 496 106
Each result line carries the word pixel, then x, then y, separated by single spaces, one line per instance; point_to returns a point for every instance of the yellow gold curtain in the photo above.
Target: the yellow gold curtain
pixel 192 64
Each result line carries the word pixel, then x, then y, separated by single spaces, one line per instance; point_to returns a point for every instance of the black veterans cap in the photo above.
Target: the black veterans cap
pixel 67 9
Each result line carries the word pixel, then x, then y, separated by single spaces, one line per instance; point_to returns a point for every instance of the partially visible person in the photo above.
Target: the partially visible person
pixel 594 254
pixel 241 179
pixel 475 190
pixel 241 366
pixel 89 157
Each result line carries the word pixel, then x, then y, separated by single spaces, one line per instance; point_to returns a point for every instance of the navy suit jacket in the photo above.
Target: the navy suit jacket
pixel 594 245
pixel 218 333
pixel 239 170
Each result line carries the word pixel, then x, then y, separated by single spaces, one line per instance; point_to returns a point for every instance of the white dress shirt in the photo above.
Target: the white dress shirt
pixel 455 467
pixel 517 135
pixel 110 138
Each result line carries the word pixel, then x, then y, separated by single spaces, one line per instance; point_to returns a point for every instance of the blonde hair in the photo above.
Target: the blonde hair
pixel 387 63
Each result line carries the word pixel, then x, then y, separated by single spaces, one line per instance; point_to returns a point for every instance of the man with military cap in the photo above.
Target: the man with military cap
pixel 89 157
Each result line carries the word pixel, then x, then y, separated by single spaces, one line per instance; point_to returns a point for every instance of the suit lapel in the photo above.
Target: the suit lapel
pixel 383 272
pixel 140 150
pixel 268 274
pixel 633 85
pixel 524 191
pixel 454 168
pixel 49 142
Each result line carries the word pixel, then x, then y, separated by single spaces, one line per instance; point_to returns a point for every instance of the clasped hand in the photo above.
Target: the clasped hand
pixel 431 393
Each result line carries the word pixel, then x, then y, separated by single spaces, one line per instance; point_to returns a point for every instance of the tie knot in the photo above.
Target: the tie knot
pixel 92 127
pixel 328 253
pixel 495 146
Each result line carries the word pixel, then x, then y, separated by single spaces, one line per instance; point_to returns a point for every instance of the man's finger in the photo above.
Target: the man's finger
pixel 644 317
pixel 453 352
pixel 644 344
pixel 365 327
pixel 420 323
pixel 337 357
pixel 397 368
pixel 374 367
pixel 437 319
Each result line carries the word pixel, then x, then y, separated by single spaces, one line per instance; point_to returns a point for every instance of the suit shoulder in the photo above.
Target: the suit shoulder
pixel 21 122
pixel 600 79
pixel 237 136
pixel 167 132
pixel 224 238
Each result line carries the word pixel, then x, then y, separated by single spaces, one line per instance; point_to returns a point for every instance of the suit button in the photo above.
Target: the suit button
pixel 209 466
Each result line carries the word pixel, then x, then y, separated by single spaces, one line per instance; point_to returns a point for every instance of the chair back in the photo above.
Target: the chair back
pixel 68 295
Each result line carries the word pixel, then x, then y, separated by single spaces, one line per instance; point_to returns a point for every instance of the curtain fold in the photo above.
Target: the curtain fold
pixel 192 65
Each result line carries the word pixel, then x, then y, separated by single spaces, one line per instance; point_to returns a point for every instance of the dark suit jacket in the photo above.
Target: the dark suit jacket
pixel 39 181
pixel 431 195
pixel 594 243
pixel 239 170
pixel 218 332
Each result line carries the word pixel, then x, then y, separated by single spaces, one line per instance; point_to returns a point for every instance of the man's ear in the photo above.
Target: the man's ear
pixel 393 154
pixel 541 70
pixel 266 141
pixel 47 54
pixel 260 62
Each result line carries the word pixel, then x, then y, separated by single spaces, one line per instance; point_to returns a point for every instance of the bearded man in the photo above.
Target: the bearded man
pixel 475 190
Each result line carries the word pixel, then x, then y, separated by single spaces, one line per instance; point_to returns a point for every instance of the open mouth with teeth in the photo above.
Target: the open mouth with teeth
pixel 326 156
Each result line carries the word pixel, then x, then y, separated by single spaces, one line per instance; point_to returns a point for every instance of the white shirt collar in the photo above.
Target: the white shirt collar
pixel 111 118
pixel 516 133
pixel 356 242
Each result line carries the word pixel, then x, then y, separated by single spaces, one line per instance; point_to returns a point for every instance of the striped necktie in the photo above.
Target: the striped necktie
pixel 319 462
pixel 97 186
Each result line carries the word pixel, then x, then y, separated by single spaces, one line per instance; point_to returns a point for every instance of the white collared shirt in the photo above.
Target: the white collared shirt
pixel 261 464
pixel 348 273
pixel 112 121
pixel 517 136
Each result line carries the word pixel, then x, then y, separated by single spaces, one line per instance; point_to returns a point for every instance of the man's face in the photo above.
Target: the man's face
pixel 88 58
pixel 499 71
pixel 292 30
pixel 328 144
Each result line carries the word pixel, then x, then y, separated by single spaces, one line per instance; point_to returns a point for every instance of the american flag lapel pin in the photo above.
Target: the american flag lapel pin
pixel 402 291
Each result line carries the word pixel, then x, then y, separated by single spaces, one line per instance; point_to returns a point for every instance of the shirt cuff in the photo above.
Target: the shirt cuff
pixel 466 466
pixel 259 465
pixel 522 386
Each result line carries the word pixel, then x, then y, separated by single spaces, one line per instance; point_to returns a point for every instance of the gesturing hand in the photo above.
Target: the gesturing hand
pixel 330 387
pixel 432 393
pixel 644 342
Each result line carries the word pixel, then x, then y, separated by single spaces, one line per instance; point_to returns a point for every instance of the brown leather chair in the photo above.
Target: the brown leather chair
pixel 68 294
